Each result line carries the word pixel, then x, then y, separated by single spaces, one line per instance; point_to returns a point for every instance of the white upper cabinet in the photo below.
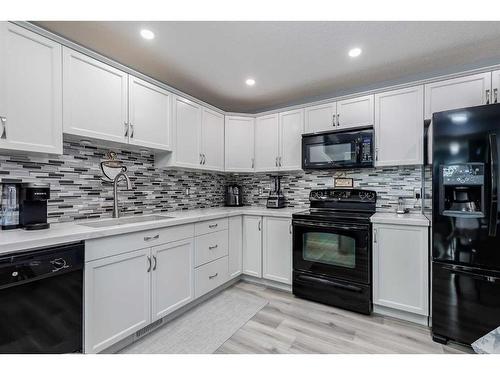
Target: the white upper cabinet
pixel 457 93
pixel 239 141
pixel 149 115
pixel 187 130
pixel 266 143
pixel 495 87
pixel 355 112
pixel 321 117
pixel 291 126
pixel 399 127
pixel 30 91
pixel 212 140
pixel 95 98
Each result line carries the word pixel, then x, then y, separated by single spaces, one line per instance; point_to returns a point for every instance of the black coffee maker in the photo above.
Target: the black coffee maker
pixel 33 205
pixel 234 196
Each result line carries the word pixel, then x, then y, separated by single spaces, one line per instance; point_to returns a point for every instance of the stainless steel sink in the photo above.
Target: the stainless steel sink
pixel 124 220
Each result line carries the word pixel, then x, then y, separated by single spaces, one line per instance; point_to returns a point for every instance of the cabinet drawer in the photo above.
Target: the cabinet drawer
pixel 210 246
pixel 123 243
pixel 210 276
pixel 210 226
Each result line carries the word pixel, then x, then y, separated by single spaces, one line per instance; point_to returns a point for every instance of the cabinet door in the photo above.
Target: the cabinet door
pixel 95 101
pixel 321 117
pixel 30 91
pixel 172 277
pixel 252 245
pixel 187 125
pixel 212 140
pixel 239 141
pixel 149 115
pixel 495 87
pixel 235 245
pixel 399 127
pixel 400 267
pixel 356 112
pixel 266 143
pixel 291 130
pixel 117 298
pixel 277 249
pixel 457 93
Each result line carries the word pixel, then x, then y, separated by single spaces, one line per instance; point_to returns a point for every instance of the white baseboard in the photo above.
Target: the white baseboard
pixel 403 315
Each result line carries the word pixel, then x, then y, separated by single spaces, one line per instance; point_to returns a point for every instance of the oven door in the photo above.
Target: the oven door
pixel 340 250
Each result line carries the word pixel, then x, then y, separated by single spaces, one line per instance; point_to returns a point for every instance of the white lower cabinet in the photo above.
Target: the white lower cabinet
pixel 252 245
pixel 210 276
pixel 117 298
pixel 172 277
pixel 400 270
pixel 277 249
pixel 235 249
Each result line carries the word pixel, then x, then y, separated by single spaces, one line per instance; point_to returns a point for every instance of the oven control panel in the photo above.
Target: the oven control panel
pixel 343 195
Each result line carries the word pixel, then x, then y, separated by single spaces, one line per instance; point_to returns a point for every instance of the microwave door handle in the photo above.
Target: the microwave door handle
pixel 492 224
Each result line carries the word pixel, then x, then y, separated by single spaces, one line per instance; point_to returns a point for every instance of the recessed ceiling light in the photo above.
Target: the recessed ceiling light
pixel 147 34
pixel 355 52
pixel 250 81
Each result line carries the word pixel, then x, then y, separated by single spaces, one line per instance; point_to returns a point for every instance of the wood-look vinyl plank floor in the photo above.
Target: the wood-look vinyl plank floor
pixel 292 325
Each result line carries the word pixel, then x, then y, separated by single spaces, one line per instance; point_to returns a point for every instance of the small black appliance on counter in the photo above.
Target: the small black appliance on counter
pixel 234 196
pixel 9 204
pixel 276 198
pixel 33 205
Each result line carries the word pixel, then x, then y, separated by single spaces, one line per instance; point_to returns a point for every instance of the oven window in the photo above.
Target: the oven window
pixel 338 152
pixel 329 248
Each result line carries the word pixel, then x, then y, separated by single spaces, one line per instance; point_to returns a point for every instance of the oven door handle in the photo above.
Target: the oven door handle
pixel 330 283
pixel 316 224
pixel 465 271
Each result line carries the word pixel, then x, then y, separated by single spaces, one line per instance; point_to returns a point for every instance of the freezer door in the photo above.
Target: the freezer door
pixel 465 302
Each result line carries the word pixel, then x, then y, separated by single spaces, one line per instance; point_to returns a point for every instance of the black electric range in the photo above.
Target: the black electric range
pixel 332 249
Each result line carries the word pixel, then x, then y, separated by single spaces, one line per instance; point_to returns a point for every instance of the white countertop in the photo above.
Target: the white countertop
pixel 401 219
pixel 58 233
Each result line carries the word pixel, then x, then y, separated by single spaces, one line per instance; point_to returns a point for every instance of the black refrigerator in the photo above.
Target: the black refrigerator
pixel 465 228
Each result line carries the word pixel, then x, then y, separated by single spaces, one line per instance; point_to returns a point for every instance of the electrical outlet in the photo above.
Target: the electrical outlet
pixel 261 191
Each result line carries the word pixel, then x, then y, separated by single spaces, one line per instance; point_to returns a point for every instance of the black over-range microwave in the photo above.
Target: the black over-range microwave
pixel 338 149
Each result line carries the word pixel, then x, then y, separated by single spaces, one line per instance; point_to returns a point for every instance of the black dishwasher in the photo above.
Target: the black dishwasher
pixel 41 300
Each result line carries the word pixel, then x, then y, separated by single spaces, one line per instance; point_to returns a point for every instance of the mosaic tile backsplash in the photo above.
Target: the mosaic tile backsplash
pixel 77 191
pixel 389 183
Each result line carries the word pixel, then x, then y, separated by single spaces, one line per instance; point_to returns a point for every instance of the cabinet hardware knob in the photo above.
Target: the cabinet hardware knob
pixel 213 247
pixel 149 261
pixel 487 96
pixel 213 276
pixel 211 226
pixel 3 121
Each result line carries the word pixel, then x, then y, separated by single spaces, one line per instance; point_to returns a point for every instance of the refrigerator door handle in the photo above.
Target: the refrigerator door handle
pixel 464 271
pixel 492 224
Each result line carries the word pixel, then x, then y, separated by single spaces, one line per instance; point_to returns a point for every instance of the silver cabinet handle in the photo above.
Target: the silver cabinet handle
pixel 213 276
pixel 253 163
pixel 276 161
pixel 125 123
pixel 204 159
pixel 260 221
pixel 149 261
pixel 333 120
pixel 375 236
pixel 280 162
pixel 213 247
pixel 131 130
pixel 495 95
pixel 290 228
pixel 376 154
pixel 201 159
pixel 338 119
pixel 212 226
pixel 154 267
pixel 149 238
pixel 3 120
pixel 487 96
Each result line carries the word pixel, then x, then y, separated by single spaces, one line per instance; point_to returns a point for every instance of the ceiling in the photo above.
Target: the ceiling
pixel 290 61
